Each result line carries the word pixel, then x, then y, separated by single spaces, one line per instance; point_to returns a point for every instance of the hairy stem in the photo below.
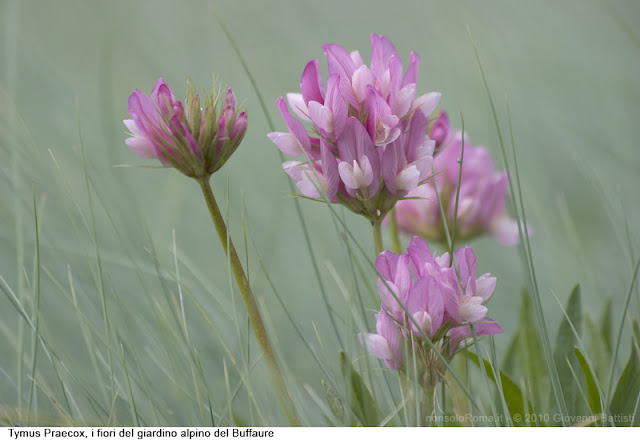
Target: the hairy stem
pixel 393 230
pixel 250 304
pixel 377 235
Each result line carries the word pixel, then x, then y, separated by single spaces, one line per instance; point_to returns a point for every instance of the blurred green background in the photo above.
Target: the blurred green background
pixel 569 70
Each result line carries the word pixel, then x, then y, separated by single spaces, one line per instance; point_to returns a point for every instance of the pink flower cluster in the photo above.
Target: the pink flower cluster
pixel 422 295
pixel 365 143
pixel 483 192
pixel 196 141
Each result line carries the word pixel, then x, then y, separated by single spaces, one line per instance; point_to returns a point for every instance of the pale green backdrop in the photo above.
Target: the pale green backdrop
pixel 569 70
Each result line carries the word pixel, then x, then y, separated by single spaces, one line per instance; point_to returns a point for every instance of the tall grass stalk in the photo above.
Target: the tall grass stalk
pixel 35 314
pixel 524 238
pixel 619 336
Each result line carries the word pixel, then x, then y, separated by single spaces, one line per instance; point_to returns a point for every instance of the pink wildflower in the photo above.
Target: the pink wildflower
pixel 423 297
pixel 482 195
pixel 441 132
pixel 193 140
pixel 366 117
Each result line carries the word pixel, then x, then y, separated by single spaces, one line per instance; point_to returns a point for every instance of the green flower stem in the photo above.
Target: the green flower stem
pixel 377 235
pixel 393 229
pixel 250 304
pixel 418 410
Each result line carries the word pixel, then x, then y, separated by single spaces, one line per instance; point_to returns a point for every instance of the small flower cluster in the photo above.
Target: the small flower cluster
pixel 482 195
pixel 193 140
pixel 423 297
pixel 368 146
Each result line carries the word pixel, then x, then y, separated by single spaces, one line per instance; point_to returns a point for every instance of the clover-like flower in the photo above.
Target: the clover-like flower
pixel 482 194
pixel 422 297
pixel 196 141
pixel 365 136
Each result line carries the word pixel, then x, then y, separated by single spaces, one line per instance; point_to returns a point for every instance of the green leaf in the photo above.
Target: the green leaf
pixel 600 356
pixel 335 403
pixel 566 340
pixel 239 419
pixel 605 326
pixel 512 394
pixel 531 353
pixel 636 330
pixel 362 403
pixel 623 403
pixel 592 389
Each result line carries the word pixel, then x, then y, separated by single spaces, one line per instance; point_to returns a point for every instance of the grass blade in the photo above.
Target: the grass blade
pixel 593 392
pixel 524 237
pixel 566 340
pixel 623 405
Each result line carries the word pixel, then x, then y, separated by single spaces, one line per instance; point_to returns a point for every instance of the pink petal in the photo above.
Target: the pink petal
pixel 160 88
pixel 402 277
pixel 423 320
pixel 381 51
pixel 287 143
pixel 361 79
pixel 330 170
pixel 443 260
pixel 347 176
pixel 451 295
pixel 407 179
pixel 356 58
pixel 458 334
pixel 466 261
pixel 417 138
pixel 390 297
pixel 411 76
pixel 297 104
pixel 312 186
pixel 505 230
pixel 485 285
pixel 295 127
pixel 164 98
pixel 390 167
pixel 240 125
pixel 340 62
pixel 395 78
pixel 293 169
pixel 435 304
pixel 376 345
pixel 142 110
pixel 321 116
pixel 404 99
pixel 426 103
pixel 386 264
pixel 472 310
pixel 367 171
pixel 311 83
pixel 132 127
pixel 419 253
pixel 388 329
pixel 141 147
pixel 347 141
pixel 336 103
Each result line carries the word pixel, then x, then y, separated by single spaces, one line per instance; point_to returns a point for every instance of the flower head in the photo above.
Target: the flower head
pixel 481 195
pixel 442 132
pixel 194 140
pixel 425 296
pixel 365 135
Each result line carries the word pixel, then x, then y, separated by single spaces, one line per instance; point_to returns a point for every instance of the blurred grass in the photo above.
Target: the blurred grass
pixel 569 70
